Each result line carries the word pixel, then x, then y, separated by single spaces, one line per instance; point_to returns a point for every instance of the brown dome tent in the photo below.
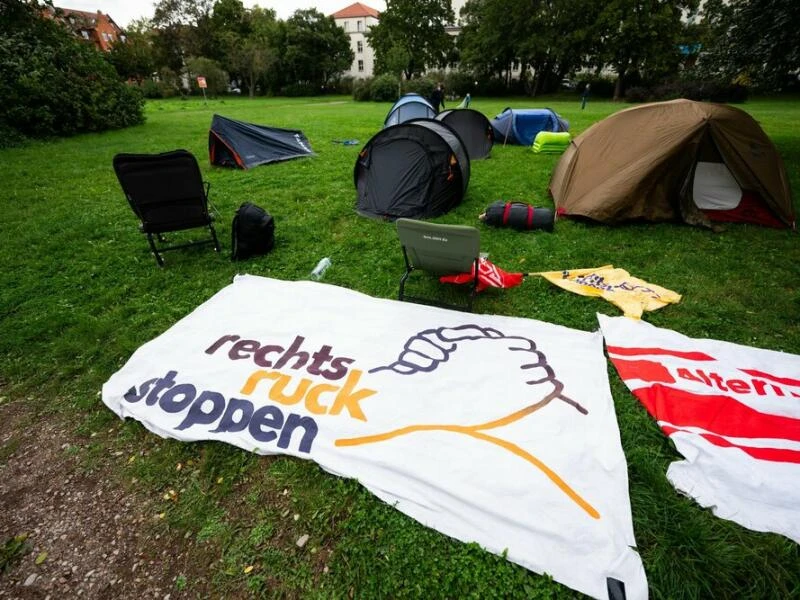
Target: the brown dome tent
pixel 677 160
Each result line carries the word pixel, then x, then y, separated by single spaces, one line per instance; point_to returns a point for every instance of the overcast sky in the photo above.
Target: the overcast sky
pixel 125 11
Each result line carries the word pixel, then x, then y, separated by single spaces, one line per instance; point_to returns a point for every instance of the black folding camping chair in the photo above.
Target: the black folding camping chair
pixel 167 193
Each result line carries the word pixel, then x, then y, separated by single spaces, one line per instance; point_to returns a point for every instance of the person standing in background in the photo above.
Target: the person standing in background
pixel 437 97
pixel 585 96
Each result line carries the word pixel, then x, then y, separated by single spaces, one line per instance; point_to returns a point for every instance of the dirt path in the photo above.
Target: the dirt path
pixel 98 537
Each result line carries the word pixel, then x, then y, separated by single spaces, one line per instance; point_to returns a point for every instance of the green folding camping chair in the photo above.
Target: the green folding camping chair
pixel 439 250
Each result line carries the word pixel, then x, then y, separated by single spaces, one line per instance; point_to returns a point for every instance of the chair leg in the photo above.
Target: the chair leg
pixel 214 236
pixel 403 279
pixel 154 249
pixel 473 288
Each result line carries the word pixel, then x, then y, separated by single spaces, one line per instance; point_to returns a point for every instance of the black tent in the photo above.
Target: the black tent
pixel 416 169
pixel 234 143
pixel 473 128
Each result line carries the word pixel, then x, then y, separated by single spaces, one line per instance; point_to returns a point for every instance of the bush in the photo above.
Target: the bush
pixel 296 90
pixel 361 89
pixel 494 86
pixel 637 94
pixel 459 83
pixel 216 78
pixel 602 87
pixel 421 85
pixel 342 86
pixel 165 87
pixel 384 88
pixel 691 89
pixel 53 84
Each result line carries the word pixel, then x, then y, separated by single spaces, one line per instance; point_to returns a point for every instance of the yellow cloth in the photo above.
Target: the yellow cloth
pixel 631 294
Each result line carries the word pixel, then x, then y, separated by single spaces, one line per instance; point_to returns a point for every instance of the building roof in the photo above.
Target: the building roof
pixel 90 18
pixel 356 10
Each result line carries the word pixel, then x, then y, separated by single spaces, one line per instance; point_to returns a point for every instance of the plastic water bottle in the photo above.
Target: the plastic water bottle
pixel 320 269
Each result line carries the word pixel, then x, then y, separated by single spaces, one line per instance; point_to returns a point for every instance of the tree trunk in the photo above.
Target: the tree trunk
pixel 618 91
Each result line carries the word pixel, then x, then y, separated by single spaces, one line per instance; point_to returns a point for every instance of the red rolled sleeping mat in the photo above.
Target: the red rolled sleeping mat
pixel 518 215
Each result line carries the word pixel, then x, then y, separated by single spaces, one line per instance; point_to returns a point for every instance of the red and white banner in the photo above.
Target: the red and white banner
pixel 732 411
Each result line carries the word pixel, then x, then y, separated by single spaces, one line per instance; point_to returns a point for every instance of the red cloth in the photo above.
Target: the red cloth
pixel 751 209
pixel 489 275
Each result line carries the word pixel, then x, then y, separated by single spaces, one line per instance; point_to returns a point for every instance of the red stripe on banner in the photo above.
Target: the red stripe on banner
pixel 623 351
pixel 530 217
pixel 716 414
pixel 775 378
pixel 645 370
pixel 770 454
pixel 506 212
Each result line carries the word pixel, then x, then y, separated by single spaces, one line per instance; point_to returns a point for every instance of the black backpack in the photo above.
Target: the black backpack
pixel 252 232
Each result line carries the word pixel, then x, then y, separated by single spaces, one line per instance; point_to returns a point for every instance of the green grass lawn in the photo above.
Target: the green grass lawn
pixel 81 292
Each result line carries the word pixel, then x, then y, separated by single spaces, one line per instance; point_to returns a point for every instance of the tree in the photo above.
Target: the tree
pixel 486 40
pixel 550 36
pixel 640 35
pixel 216 78
pixel 555 38
pixel 753 40
pixel 254 53
pixel 53 83
pixel 317 50
pixel 178 35
pixel 417 26
pixel 133 58
pixel 395 61
pixel 222 31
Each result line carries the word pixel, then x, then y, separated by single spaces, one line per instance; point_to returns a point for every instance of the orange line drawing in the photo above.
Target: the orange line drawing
pixel 476 431
pixel 425 351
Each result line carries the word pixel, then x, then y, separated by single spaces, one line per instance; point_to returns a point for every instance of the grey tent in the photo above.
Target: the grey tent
pixel 411 106
pixel 234 143
pixel 416 169
pixel 473 128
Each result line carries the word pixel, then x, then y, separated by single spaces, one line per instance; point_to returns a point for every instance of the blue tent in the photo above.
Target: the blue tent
pixel 410 106
pixel 520 125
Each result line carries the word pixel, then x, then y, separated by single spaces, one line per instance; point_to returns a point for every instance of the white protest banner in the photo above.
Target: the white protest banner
pixel 732 411
pixel 494 430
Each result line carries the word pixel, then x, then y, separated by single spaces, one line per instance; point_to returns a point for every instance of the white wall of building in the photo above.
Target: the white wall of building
pixel 356 27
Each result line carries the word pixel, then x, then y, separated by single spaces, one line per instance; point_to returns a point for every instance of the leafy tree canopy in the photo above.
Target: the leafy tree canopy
pixel 416 26
pixel 316 49
pixel 752 41
pixel 53 83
